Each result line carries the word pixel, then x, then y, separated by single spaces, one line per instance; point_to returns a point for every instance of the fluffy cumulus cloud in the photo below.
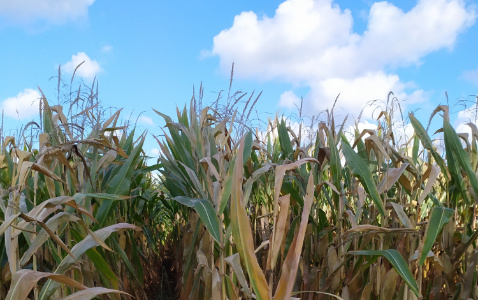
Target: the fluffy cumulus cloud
pixel 290 100
pixel 312 43
pixel 145 120
pixel 23 106
pixel 88 69
pixel 51 11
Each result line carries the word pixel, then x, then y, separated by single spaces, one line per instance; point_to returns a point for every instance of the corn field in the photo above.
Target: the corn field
pixel 264 215
pixel 342 217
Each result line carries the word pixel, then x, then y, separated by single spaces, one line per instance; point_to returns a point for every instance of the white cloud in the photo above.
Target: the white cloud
pixel 146 120
pixel 155 152
pixel 106 49
pixel 52 11
pixel 471 76
pixel 88 70
pixel 290 100
pixel 468 115
pixel 24 105
pixel 312 43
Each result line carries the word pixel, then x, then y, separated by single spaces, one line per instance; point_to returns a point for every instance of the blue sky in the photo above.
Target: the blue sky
pixel 149 54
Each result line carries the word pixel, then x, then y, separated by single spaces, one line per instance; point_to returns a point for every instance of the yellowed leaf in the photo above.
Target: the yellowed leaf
pixel 390 178
pixel 291 262
pixel 242 232
pixel 279 176
pixel 24 280
pixel 280 226
pixel 367 291
pixel 435 171
pixel 389 284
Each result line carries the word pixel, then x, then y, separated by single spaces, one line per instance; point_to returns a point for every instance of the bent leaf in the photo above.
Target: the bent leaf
pixel 24 280
pixel 90 293
pixel 205 211
pixel 359 168
pixel 398 263
pixel 79 249
pixel 427 143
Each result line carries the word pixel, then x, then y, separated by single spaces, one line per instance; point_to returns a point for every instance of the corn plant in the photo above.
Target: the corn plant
pixel 345 217
pixel 63 200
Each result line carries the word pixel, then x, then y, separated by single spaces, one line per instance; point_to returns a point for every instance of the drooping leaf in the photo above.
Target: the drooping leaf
pixel 24 280
pixel 43 235
pixel 427 144
pixel 398 263
pixel 205 211
pixel 235 262
pixel 79 249
pixel 359 168
pixel 452 142
pixel 91 293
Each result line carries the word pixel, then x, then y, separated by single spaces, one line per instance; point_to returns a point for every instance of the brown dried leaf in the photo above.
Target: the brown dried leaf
pixel 390 178
pixel 291 262
pixel 389 284
pixel 434 172
pixel 24 280
pixel 280 226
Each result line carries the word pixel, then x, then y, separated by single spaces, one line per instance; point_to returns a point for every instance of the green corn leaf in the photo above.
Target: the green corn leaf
pixel 247 147
pixel 226 193
pixel 398 263
pixel 119 184
pixel 104 267
pixel 205 211
pixel 438 218
pixel 427 143
pixel 284 139
pixel 125 259
pixel 359 168
pixel 452 142
pixel 416 146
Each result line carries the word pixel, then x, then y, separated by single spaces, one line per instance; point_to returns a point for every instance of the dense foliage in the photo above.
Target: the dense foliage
pixel 265 215
pixel 63 199
pixel 346 217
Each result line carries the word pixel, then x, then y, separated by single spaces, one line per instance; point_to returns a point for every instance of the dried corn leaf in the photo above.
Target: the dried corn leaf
pixel 24 280
pixel 435 171
pixel 390 178
pixel 291 262
pixel 242 233
pixel 91 293
pixel 280 226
